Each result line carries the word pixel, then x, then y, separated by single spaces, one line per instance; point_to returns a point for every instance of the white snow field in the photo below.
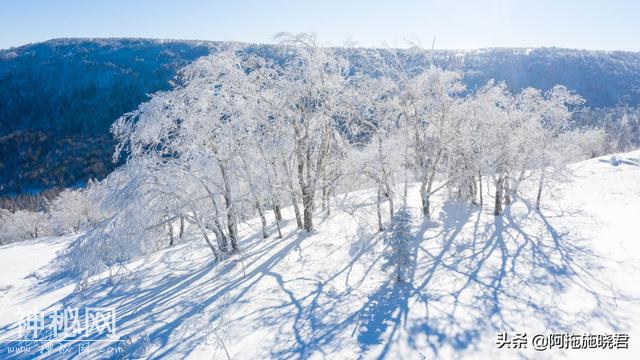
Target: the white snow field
pixel 573 267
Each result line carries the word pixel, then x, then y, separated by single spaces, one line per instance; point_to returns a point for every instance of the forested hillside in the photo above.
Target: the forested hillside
pixel 59 98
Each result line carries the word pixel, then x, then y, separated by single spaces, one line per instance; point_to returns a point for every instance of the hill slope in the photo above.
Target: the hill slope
pixel 58 98
pixel 570 268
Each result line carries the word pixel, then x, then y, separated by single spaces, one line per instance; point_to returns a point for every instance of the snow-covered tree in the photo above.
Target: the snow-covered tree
pixel 376 126
pixel 241 135
pixel 73 210
pixel 21 225
pixel 427 101
pixel 398 240
pixel 311 86
pixel 548 116
pixel 197 129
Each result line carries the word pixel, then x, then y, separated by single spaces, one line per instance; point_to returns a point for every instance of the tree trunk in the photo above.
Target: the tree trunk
pixel 307 193
pixel 307 205
pixel 222 239
pixel 390 194
pixel 539 196
pixel 405 190
pixel 323 200
pixel 277 212
pixel 326 190
pixel 480 185
pixel 425 192
pixel 473 190
pixel 378 210
pixel 263 219
pixel 507 190
pixel 275 198
pixel 294 200
pixel 424 196
pixel 203 230
pixel 181 226
pixel 329 189
pixel 296 210
pixel 231 218
pixel 498 205
pixel 431 178
pixel 170 230
pixel 223 244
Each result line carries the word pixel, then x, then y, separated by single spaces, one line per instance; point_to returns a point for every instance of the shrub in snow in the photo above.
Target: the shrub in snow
pixel 398 243
pixel 105 250
pixel 74 210
pixel 21 225
pixel 131 227
pixel 614 160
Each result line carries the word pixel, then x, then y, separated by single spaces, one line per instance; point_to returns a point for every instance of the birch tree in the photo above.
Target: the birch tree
pixel 312 83
pixel 426 102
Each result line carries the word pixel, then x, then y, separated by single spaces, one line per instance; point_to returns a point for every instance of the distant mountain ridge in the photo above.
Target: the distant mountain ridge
pixel 58 98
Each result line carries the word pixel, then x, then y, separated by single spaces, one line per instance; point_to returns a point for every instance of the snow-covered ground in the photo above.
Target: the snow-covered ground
pixel 573 267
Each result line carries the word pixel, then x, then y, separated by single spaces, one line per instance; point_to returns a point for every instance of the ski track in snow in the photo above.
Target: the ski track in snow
pixel 572 267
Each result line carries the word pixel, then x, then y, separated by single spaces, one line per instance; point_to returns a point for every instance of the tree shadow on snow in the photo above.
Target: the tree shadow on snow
pixel 495 276
pixel 166 313
pixel 467 286
pixel 467 278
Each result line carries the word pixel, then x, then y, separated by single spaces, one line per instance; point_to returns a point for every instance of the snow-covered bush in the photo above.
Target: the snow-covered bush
pixel 74 210
pixel 399 242
pixel 22 225
pixel 131 224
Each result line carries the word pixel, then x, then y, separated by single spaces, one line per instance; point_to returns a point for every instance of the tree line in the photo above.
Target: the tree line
pixel 242 136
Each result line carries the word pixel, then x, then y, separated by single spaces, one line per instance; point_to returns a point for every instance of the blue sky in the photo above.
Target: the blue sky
pixel 456 24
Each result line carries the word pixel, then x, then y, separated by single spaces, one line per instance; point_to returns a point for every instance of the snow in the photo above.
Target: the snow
pixel 573 267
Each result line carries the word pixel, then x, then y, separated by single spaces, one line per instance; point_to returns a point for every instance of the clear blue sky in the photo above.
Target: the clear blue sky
pixel 456 24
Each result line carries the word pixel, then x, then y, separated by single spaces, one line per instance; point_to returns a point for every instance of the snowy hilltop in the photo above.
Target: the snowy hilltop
pixel 571 267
